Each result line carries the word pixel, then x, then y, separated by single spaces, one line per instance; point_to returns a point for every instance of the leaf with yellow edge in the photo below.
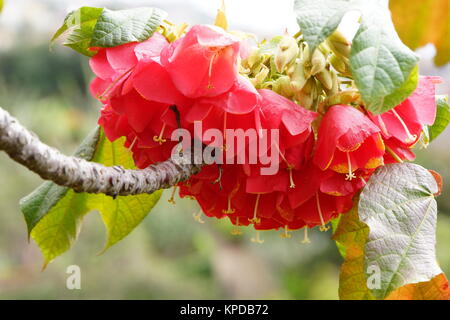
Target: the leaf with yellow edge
pixel 419 22
pixel 54 214
pixel 351 236
pixel 435 289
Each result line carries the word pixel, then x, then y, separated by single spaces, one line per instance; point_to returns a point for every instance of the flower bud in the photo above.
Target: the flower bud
pixel 318 62
pixel 287 52
pixel 298 76
pixel 260 76
pixel 341 64
pixel 339 44
pixel 336 86
pixel 304 99
pixel 283 87
pixel 325 78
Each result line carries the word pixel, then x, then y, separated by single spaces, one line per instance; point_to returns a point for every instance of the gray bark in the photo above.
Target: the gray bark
pixel 25 148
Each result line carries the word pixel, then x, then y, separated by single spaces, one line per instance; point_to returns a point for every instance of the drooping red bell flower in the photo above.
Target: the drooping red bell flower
pixel 405 122
pixel 347 141
pixel 203 63
pixel 113 66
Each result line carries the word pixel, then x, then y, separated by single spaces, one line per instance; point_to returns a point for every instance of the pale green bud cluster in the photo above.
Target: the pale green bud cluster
pixel 287 66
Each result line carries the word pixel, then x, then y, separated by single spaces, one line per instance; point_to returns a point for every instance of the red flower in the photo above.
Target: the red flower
pixel 347 141
pixel 113 66
pixel 405 122
pixel 203 63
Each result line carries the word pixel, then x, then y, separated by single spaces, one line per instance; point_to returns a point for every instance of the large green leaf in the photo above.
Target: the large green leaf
pixel 54 214
pixel 114 28
pixel 79 26
pixel 442 118
pixel 382 66
pixel 398 206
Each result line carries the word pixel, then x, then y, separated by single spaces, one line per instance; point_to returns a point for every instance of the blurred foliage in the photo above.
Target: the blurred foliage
pixel 419 22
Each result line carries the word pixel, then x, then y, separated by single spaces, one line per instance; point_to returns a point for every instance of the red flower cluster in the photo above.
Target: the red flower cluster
pixel 151 88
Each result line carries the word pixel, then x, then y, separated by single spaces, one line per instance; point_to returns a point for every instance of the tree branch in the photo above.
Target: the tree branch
pixel 25 148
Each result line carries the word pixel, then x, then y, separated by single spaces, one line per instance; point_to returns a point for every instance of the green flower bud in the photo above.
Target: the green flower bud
pixel 298 75
pixel 318 62
pixel 341 64
pixel 283 87
pixel 339 44
pixel 304 99
pixel 335 84
pixel 260 76
pixel 326 79
pixel 287 52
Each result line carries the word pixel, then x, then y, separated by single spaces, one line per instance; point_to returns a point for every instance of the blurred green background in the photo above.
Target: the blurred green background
pixel 170 256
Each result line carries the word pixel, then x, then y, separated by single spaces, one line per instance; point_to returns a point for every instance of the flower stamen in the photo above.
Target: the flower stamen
pixel 350 175
pixel 323 227
pixel 211 62
pixel 172 197
pixel 103 96
pixel 305 237
pixel 286 234
pixel 255 219
pixel 160 138
pixel 410 137
pixel 130 148
pixel 198 217
pixel 289 168
pixel 257 239
pixel 236 231
pixel 229 210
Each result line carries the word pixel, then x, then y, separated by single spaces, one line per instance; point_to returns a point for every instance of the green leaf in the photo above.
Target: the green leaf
pixel 442 117
pixel 318 19
pixel 382 66
pixel 79 26
pixel 1 5
pixel 54 214
pixel 398 206
pixel 114 28
pixel 351 236
pixel 380 63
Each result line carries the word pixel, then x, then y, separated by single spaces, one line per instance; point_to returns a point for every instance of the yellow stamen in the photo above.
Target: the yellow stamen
pixel 229 210
pixel 411 137
pixel 257 238
pixel 130 148
pixel 236 231
pixel 191 197
pixel 219 178
pixel 363 180
pixel 286 234
pixel 103 96
pixel 289 168
pixel 291 178
pixel 305 237
pixel 394 155
pixel 350 175
pixel 224 147
pixel 160 138
pixel 172 197
pixel 323 227
pixel 211 62
pixel 255 219
pixel 198 217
